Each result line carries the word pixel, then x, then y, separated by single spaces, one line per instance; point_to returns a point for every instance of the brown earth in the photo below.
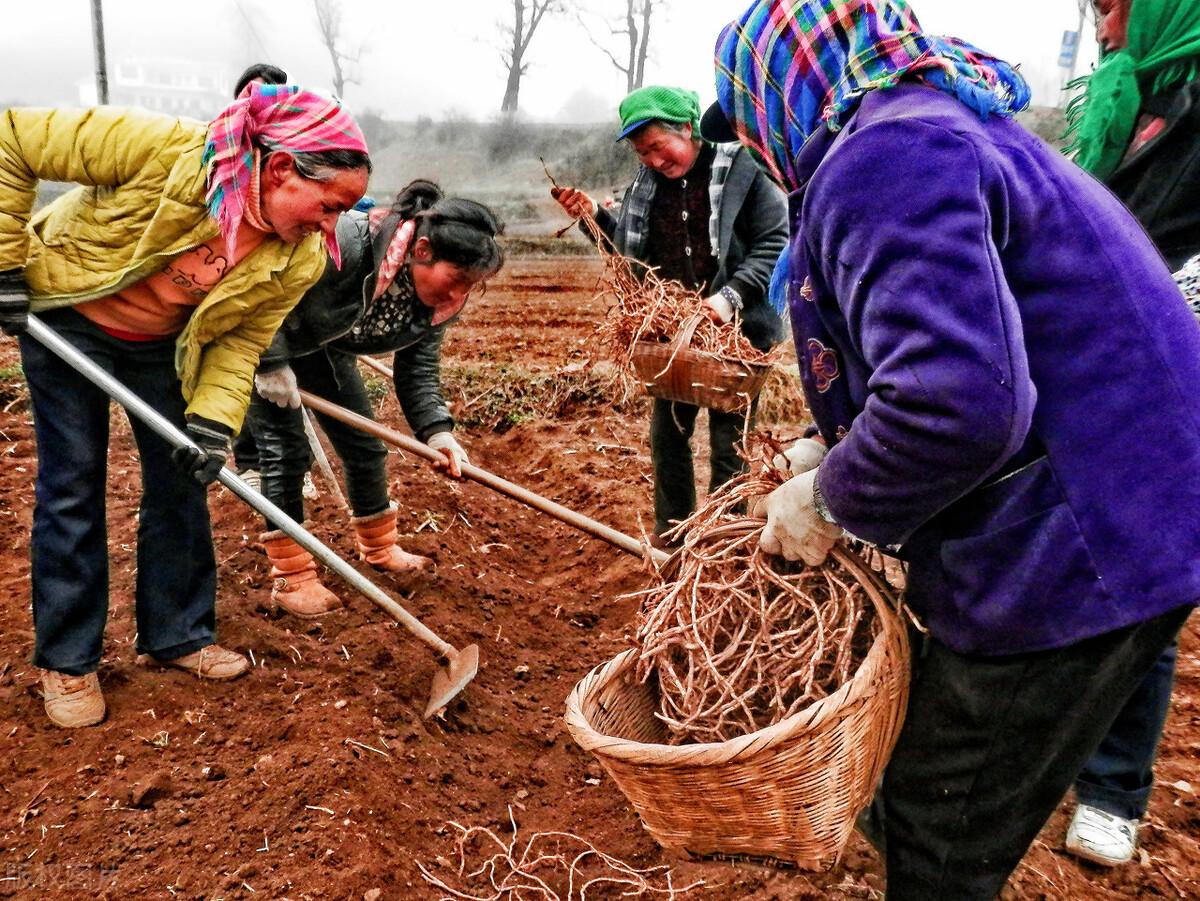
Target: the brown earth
pixel 314 777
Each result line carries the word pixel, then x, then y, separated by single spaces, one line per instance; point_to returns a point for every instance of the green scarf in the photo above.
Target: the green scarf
pixel 1163 53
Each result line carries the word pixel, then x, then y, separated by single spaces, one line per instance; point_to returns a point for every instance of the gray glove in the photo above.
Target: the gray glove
pixel 279 387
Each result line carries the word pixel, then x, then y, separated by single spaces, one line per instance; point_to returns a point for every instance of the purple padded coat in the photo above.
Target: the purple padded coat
pixel 1007 375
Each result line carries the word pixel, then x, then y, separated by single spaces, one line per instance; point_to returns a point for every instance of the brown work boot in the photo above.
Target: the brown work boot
pixel 212 662
pixel 297 588
pixel 72 701
pixel 376 539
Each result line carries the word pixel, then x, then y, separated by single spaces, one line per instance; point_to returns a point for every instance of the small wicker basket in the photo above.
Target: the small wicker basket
pixel 674 371
pixel 787 794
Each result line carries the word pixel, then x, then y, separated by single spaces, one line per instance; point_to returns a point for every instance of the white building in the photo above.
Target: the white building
pixel 198 90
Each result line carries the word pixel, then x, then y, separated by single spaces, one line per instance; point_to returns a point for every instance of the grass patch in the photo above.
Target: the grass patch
pixel 546 246
pixel 499 397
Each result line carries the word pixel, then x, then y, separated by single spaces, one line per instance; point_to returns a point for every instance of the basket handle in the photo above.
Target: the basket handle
pixel 676 376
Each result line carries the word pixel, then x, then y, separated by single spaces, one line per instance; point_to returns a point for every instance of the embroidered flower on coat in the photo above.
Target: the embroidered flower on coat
pixel 823 364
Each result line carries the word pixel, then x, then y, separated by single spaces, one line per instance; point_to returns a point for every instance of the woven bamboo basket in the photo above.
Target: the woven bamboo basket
pixel 787 794
pixel 674 371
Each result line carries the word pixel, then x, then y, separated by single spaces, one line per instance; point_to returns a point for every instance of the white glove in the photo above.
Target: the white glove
pixel 279 387
pixel 795 530
pixel 456 457
pixel 720 306
pixel 805 454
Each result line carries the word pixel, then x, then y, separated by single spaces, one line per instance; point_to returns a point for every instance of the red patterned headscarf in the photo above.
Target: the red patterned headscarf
pixel 273 117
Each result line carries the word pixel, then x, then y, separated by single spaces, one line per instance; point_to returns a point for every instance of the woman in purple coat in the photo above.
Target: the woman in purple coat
pixel 1003 372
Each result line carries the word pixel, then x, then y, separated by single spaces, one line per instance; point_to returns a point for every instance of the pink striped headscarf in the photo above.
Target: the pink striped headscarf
pixel 273 117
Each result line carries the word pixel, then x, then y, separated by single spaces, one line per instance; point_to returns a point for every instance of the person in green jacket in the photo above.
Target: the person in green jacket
pixel 171 266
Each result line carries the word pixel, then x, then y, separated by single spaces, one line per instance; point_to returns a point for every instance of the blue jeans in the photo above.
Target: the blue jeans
pixel 1119 775
pixel 175 592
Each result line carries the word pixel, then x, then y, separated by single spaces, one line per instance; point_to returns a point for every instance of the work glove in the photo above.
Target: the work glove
pixel 719 309
pixel 456 457
pixel 574 201
pixel 723 305
pixel 14 302
pixel 279 387
pixel 203 462
pixel 795 529
pixel 805 454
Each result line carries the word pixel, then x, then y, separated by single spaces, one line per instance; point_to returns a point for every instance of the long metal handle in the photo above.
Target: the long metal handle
pixel 488 479
pixel 318 452
pixel 161 426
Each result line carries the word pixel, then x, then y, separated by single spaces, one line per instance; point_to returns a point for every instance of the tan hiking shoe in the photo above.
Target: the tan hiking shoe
pixel 72 701
pixel 212 662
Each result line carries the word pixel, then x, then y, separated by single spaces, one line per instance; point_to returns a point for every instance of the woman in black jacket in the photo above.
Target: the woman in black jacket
pixel 406 274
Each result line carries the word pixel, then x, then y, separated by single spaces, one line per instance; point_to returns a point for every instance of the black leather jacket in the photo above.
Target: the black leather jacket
pixel 1160 183
pixel 332 306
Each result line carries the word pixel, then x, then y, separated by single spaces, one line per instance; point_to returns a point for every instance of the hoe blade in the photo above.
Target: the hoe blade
pixel 452 678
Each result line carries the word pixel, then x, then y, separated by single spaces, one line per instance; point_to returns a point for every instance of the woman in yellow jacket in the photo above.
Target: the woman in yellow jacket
pixel 171 266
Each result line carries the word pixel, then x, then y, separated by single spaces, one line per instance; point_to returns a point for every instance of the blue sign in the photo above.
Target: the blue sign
pixel 1069 50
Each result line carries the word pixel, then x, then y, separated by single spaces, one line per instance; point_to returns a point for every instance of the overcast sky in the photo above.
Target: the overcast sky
pixel 430 57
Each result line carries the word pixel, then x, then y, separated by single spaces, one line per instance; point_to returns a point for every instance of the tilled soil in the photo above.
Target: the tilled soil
pixel 315 777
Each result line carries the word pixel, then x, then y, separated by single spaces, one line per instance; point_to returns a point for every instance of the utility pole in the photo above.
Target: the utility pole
pixel 98 43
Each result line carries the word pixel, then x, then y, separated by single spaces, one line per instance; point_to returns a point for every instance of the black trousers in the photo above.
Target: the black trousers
pixel 283 452
pixel 671 427
pixel 989 747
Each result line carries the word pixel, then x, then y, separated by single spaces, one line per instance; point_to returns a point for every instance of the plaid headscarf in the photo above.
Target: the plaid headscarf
pixel 273 117
pixel 787 67
pixel 1163 53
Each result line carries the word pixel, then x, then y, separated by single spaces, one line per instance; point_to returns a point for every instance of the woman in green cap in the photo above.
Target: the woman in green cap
pixel 702 214
pixel 1137 128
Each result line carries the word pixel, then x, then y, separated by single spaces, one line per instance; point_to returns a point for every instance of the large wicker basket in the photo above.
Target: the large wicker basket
pixel 785 794
pixel 674 371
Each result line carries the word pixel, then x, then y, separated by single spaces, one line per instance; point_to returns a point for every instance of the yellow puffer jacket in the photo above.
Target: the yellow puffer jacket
pixel 142 203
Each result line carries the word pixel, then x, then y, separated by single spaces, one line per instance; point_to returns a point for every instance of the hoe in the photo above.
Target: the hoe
pixel 448 680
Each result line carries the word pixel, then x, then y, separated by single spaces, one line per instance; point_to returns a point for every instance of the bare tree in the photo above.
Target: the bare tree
pixel 634 26
pixel 329 22
pixel 527 16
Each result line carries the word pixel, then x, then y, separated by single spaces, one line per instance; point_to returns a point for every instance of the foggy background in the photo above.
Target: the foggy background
pixel 427 78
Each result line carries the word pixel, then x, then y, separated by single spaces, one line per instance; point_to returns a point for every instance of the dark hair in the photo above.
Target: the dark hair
pixel 264 72
pixel 462 232
pixel 315 165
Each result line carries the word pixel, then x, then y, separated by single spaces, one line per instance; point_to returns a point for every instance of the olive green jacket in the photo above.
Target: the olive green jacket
pixel 140 203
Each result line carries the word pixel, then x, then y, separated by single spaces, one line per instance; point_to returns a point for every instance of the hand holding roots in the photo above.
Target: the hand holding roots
pixel 739 640
pixel 647 307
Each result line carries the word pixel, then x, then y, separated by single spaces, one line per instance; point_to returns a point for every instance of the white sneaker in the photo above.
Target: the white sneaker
pixel 310 489
pixel 251 477
pixel 1101 837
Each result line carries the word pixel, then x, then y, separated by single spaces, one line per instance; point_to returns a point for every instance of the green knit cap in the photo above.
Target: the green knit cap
pixel 662 103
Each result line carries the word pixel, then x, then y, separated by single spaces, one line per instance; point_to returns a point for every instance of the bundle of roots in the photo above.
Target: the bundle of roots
pixel 647 307
pixel 737 639
pixel 548 866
